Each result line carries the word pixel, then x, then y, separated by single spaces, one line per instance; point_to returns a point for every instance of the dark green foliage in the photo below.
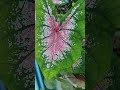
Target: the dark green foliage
pixel 102 19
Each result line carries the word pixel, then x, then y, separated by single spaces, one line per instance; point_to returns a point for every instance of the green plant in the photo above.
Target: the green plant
pixel 58 37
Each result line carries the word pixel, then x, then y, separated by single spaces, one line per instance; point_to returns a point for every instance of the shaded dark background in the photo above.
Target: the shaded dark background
pixel 17 19
pixel 102 45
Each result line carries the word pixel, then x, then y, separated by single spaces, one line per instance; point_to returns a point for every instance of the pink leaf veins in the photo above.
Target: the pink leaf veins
pixel 55 37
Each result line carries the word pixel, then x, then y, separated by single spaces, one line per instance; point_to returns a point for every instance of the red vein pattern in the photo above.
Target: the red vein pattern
pixel 56 37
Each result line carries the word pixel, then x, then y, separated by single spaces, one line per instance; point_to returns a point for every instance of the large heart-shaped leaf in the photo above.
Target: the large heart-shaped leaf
pixel 58 37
